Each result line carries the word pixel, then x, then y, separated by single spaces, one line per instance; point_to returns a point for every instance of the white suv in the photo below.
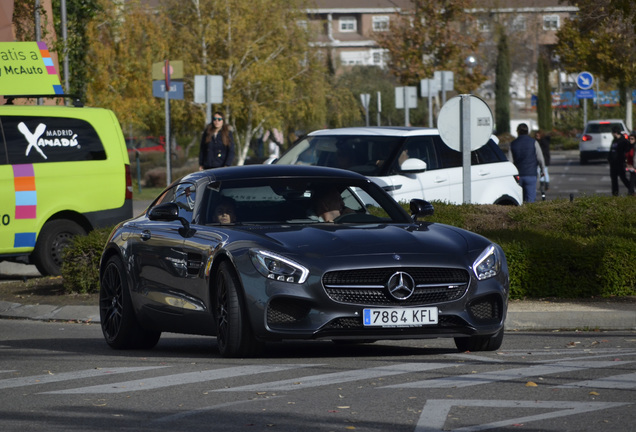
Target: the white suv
pixel 597 139
pixel 411 163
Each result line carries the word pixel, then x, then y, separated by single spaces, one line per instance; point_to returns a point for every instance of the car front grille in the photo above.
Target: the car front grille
pixel 445 321
pixel 369 286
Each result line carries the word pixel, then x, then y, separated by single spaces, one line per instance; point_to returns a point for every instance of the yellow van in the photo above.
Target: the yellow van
pixel 63 171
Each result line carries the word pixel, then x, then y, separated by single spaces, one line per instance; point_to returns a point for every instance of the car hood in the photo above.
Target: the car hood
pixel 327 240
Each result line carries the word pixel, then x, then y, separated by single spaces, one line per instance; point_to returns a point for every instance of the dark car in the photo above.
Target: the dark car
pixel 263 253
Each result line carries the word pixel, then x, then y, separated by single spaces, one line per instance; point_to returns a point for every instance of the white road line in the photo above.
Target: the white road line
pixel 178 379
pixel 435 412
pixel 65 376
pixel 182 415
pixel 616 382
pixel 340 377
pixel 505 375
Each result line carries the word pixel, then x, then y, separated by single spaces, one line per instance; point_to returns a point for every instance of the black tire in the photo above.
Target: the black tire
pixel 235 337
pixel 117 317
pixel 583 160
pixel 480 343
pixel 53 238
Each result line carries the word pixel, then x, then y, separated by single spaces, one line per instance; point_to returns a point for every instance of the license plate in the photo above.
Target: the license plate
pixel 399 317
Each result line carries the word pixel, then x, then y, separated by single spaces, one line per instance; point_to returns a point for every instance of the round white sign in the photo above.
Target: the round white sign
pixel 479 116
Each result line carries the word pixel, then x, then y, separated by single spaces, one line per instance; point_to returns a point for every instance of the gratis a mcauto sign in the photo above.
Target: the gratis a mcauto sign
pixel 26 68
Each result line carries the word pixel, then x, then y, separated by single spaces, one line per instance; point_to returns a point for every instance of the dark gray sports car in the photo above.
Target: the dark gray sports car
pixel 272 252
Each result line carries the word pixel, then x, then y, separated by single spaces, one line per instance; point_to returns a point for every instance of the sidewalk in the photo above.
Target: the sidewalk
pixel 522 315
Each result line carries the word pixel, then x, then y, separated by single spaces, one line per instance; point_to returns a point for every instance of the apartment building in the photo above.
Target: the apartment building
pixel 347 29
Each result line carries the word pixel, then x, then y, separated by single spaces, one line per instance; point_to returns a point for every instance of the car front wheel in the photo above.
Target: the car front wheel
pixel 119 324
pixel 480 343
pixel 234 334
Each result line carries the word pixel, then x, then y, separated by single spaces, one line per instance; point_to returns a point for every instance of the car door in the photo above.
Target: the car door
pixel 161 266
pixel 430 184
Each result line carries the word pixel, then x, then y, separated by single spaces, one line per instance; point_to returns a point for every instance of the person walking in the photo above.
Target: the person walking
pixel 217 144
pixel 631 163
pixel 525 153
pixel 544 143
pixel 616 159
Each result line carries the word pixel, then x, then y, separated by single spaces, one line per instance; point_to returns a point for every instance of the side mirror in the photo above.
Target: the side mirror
pixel 420 208
pixel 413 166
pixel 166 212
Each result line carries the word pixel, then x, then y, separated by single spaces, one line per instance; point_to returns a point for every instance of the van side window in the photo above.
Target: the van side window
pixel 50 139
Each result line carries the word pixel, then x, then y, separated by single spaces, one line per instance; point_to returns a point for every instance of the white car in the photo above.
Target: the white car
pixel 411 163
pixel 597 138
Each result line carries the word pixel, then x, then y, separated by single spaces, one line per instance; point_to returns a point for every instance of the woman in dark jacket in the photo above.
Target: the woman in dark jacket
pixel 217 144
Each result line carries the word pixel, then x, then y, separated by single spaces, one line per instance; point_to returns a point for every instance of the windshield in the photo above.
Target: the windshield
pixel 364 154
pixel 298 201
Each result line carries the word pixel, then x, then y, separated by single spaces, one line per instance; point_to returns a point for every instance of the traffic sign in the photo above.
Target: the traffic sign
pixel 175 70
pixel 585 80
pixel 174 92
pixel 480 121
pixel 585 94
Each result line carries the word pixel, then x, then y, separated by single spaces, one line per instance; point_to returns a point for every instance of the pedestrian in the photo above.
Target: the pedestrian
pixel 631 163
pixel 525 153
pixel 217 144
pixel 544 143
pixel 617 159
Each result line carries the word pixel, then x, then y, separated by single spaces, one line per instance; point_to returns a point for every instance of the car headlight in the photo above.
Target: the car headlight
pixel 276 267
pixel 488 263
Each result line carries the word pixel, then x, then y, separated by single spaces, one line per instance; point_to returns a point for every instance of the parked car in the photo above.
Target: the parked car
pixel 597 138
pixel 411 163
pixel 246 254
pixel 146 144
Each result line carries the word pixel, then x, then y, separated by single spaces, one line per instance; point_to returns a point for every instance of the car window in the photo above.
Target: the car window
pixel 423 148
pixel 50 139
pixel 296 201
pixel 183 194
pixel 364 154
pixel 489 153
pixel 602 127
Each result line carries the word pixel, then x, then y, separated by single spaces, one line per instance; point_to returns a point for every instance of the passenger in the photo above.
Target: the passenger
pixel 225 211
pixel 328 204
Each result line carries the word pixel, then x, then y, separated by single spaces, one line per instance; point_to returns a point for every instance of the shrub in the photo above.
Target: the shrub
pixel 584 248
pixel 80 269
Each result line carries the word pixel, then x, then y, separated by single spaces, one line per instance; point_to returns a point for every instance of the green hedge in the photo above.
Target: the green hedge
pixel 80 269
pixel 579 249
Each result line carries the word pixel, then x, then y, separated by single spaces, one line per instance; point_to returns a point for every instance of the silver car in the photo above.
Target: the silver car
pixel 597 138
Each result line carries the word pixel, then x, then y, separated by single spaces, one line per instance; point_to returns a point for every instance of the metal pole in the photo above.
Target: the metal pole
pixel 406 108
pixel 430 104
pixel 379 106
pixel 65 39
pixel 38 33
pixel 584 112
pixel 167 103
pixel 464 108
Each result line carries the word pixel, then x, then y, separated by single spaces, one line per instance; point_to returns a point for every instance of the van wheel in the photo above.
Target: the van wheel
pixel 53 238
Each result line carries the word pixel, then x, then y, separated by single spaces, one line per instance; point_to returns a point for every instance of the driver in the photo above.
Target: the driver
pixel 328 204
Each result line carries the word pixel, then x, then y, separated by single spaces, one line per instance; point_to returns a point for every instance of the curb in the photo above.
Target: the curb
pixel 521 316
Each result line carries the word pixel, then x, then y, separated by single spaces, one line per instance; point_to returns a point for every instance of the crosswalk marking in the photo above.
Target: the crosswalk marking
pixel 435 412
pixel 340 377
pixel 505 375
pixel 179 379
pixel 65 376
pixel 623 382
